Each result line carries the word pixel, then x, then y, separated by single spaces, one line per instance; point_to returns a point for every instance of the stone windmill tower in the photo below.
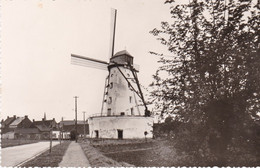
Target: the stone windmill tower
pixel 124 113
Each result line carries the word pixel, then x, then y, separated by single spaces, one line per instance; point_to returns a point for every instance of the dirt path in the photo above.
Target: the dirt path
pixel 74 157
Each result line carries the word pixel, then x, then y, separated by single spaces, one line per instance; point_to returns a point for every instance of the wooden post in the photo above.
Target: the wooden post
pixel 60 137
pixel 84 125
pixel 76 118
pixel 62 129
pixel 50 140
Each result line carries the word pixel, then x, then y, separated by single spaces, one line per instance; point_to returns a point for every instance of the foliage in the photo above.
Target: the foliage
pixel 73 134
pixel 211 82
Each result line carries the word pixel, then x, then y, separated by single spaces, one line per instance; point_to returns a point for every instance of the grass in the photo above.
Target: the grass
pixel 104 142
pixel 141 153
pixel 15 142
pixel 163 153
pixel 47 159
pixel 97 159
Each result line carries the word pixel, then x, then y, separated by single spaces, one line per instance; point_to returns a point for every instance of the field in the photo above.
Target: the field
pixel 15 142
pixel 140 152
pixel 47 159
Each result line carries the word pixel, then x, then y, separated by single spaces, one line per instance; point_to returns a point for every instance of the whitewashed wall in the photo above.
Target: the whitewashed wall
pixel 8 135
pixel 119 93
pixel 132 126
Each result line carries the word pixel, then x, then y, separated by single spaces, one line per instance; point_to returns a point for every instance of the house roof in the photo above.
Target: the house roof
pixel 9 120
pixel 42 128
pixel 71 122
pixel 44 122
pixel 44 125
pixel 17 121
pixel 27 131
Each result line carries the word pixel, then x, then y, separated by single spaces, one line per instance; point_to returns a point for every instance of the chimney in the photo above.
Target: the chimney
pixel 33 120
pixel 26 116
pixel 53 119
pixel 43 119
pixel 7 117
pixel 15 116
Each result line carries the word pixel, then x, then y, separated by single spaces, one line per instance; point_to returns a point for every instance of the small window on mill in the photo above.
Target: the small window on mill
pixel 109 111
pixel 132 111
pixel 109 100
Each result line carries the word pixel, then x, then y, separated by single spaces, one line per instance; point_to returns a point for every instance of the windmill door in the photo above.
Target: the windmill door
pixel 96 132
pixel 120 134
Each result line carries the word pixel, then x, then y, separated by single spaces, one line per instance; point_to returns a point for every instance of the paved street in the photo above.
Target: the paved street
pixel 74 157
pixel 11 156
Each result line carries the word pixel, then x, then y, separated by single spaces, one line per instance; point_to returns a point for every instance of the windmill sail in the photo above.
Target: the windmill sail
pixel 88 62
pixel 112 33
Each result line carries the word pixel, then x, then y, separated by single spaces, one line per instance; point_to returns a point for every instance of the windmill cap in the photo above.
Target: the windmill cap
pixel 123 52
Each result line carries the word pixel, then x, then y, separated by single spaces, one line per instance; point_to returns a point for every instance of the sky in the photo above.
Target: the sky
pixel 38 37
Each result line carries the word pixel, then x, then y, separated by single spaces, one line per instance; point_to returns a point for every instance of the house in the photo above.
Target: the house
pixel 27 133
pixel 5 124
pixel 19 128
pixel 45 126
pixel 56 133
pixel 68 126
pixel 20 122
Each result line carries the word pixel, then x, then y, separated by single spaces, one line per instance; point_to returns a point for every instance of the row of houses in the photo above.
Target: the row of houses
pixel 23 128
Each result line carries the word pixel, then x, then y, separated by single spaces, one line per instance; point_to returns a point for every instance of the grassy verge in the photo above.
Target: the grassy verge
pixel 47 159
pixel 142 153
pixel 97 159
pixel 167 153
pixel 15 142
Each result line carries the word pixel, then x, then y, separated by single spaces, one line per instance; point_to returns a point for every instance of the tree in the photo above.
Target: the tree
pixel 212 79
pixel 73 134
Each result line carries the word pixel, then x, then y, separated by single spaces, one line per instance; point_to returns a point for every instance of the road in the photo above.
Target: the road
pixel 12 156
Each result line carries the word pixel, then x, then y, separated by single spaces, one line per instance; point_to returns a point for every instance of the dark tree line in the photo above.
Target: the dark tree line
pixel 211 82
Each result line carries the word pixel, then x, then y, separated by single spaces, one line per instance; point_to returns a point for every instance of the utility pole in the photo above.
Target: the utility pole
pixel 62 129
pixel 84 124
pixel 76 118
pixel 60 136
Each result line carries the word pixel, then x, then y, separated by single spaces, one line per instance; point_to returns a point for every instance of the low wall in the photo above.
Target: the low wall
pixel 117 127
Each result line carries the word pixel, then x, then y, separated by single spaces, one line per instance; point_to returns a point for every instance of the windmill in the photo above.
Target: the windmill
pixel 122 93
pixel 120 66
